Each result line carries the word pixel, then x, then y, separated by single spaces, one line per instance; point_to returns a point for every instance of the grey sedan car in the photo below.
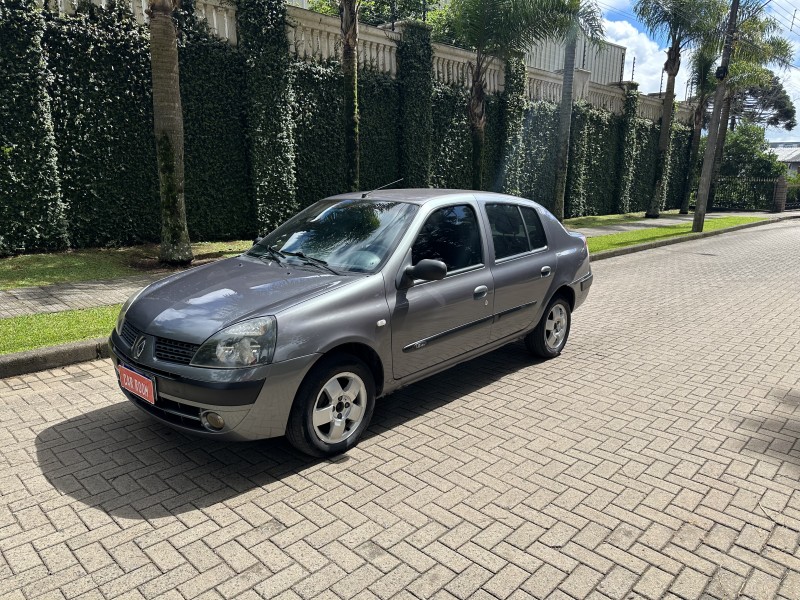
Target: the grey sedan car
pixel 352 298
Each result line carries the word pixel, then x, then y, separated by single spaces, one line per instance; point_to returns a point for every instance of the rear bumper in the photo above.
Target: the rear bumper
pixel 581 288
pixel 251 410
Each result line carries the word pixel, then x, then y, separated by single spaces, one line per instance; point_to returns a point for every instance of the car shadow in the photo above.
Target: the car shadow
pixel 120 461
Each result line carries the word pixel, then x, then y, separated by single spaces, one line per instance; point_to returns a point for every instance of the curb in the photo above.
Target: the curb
pixel 679 239
pixel 41 359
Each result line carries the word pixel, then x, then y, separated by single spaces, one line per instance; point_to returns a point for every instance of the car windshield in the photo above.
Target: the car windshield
pixel 348 235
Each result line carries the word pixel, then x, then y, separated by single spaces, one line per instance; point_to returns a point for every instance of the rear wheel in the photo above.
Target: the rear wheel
pixel 333 407
pixel 550 335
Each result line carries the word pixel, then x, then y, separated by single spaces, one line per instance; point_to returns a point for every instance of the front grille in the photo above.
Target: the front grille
pixel 174 351
pixel 129 333
pixel 173 412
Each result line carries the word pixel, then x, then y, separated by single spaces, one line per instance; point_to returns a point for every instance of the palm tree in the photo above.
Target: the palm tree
pixel 499 29
pixel 168 127
pixel 703 61
pixel 582 18
pixel 684 22
pixel 348 13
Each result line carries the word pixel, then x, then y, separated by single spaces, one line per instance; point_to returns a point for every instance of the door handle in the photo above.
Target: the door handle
pixel 480 292
pixel 546 271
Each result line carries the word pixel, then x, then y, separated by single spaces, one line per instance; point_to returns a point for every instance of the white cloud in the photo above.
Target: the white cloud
pixel 649 58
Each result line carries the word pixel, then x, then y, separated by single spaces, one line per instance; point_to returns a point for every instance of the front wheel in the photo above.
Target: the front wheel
pixel 333 407
pixel 550 335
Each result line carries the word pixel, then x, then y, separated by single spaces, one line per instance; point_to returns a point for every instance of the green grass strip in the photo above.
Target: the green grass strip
pixel 607 220
pixel 29 332
pixel 650 234
pixel 83 265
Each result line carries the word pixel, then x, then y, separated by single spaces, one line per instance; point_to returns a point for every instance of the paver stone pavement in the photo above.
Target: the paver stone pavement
pixel 658 457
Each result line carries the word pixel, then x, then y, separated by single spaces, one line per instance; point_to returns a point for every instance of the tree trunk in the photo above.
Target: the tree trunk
pixel 348 11
pixel 699 112
pixel 477 120
pixel 723 132
pixel 672 66
pixel 565 125
pixel 168 127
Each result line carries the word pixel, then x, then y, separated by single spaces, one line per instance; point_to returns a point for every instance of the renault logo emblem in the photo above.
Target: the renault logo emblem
pixel 138 347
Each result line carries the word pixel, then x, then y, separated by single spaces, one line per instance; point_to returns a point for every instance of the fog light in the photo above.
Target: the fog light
pixel 213 421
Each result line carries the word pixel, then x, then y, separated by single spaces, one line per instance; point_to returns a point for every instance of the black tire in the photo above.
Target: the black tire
pixel 540 341
pixel 301 431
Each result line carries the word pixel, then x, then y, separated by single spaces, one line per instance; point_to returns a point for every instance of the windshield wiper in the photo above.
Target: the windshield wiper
pixel 310 260
pixel 273 252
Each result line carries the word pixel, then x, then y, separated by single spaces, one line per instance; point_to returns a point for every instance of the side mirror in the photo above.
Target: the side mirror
pixel 427 270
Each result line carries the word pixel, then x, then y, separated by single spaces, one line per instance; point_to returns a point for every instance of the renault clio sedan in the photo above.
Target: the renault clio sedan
pixel 352 298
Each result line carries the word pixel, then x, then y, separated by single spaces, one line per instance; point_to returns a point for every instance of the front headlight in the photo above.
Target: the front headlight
pixel 244 344
pixel 124 309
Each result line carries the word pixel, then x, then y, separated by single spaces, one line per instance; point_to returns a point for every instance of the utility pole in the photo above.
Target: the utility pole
pixel 713 128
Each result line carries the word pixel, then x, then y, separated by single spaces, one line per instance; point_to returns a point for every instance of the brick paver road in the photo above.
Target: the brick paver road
pixel 657 458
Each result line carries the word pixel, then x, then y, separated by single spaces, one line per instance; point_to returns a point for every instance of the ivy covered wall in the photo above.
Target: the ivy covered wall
pixel 31 206
pixel 265 133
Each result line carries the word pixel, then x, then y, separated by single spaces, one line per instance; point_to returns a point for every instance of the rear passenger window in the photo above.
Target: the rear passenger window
pixel 534 226
pixel 508 230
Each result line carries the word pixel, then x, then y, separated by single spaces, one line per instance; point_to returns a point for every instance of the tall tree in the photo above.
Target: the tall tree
pixel 348 12
pixel 683 22
pixel 756 46
pixel 499 29
pixel 168 126
pixel 581 18
pixel 766 103
pixel 703 84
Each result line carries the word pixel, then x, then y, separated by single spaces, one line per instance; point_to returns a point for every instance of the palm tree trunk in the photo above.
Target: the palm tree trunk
pixel 348 11
pixel 723 132
pixel 662 168
pixel 565 125
pixel 477 120
pixel 168 128
pixel 697 129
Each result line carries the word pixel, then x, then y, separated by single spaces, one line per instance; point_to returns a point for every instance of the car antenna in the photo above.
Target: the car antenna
pixel 365 194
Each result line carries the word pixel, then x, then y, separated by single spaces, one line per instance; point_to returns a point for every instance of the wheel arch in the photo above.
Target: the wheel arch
pixel 364 353
pixel 567 293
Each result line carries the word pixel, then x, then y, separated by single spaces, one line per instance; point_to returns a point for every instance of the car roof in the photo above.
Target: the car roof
pixel 419 195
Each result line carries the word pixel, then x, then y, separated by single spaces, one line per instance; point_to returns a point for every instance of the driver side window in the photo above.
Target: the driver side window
pixel 451 235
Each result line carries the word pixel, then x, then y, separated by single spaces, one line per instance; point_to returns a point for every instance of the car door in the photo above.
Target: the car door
pixel 522 267
pixel 434 321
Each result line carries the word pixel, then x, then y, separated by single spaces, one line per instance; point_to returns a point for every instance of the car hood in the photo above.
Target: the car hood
pixel 192 305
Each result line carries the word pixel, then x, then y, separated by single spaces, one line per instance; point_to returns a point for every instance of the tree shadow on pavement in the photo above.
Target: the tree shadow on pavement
pixel 119 460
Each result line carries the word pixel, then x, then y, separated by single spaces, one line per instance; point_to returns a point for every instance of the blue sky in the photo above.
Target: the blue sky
pixel 623 28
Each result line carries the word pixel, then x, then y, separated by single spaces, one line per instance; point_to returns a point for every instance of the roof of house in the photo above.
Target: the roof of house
pixel 787 155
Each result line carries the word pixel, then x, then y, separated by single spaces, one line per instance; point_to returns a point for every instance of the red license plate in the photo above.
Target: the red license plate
pixel 137 384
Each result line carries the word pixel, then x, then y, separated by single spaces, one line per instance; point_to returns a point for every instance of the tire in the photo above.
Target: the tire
pixel 550 336
pixel 335 389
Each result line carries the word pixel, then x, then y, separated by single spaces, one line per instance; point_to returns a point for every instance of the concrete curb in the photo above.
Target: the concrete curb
pixel 683 238
pixel 22 363
pixel 41 359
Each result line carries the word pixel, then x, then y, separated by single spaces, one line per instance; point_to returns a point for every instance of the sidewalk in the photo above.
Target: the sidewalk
pixel 89 294
pixel 667 220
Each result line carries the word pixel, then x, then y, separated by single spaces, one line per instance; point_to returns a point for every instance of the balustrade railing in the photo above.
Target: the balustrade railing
pixel 314 36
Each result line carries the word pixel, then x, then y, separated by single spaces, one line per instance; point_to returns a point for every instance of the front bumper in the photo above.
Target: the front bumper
pixel 251 409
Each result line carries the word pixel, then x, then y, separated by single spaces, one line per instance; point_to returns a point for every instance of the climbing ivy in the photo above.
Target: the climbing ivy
pixel 415 76
pixel 103 114
pixel 31 209
pixel 451 157
pixel 262 39
pixel 512 105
